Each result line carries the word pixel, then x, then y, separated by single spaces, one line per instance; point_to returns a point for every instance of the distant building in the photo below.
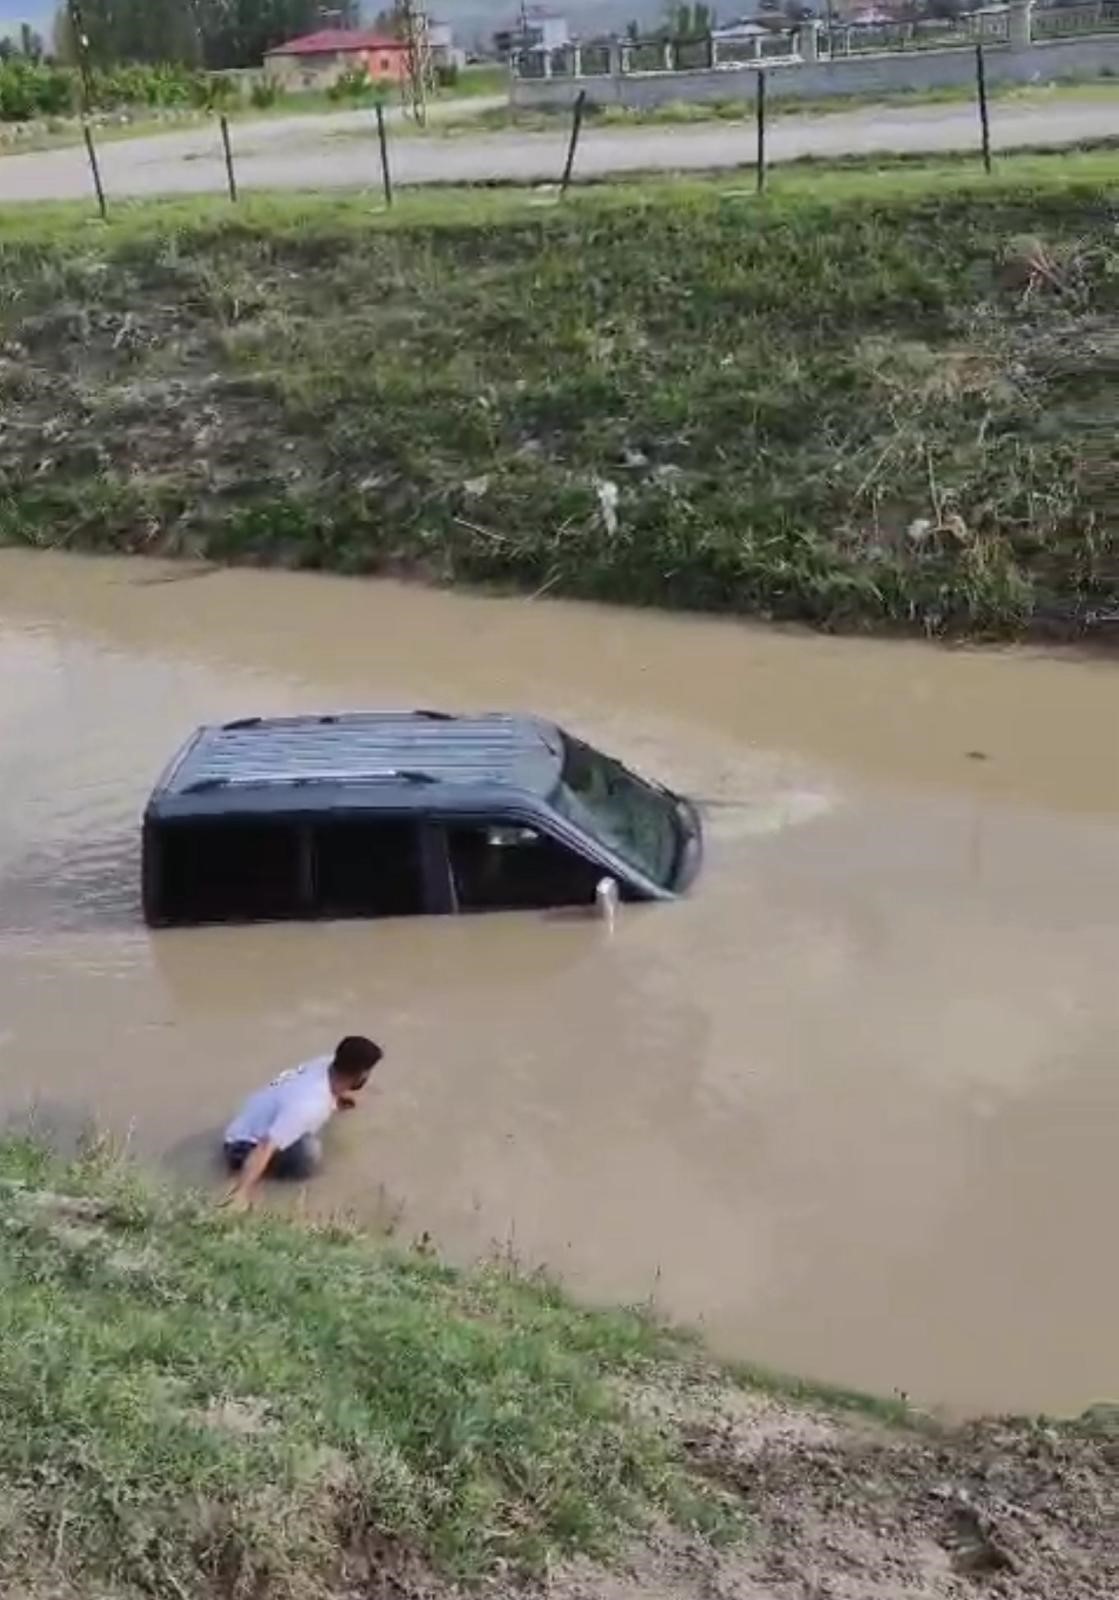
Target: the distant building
pixel 771 13
pixel 320 59
pixel 445 53
pixel 536 29
pixel 741 32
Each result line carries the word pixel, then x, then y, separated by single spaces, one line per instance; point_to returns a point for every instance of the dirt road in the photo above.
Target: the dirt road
pixel 339 151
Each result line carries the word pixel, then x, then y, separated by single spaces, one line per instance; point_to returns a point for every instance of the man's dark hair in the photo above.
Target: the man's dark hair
pixel 356 1057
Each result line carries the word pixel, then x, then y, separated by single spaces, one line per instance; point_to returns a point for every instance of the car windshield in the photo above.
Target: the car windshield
pixel 630 817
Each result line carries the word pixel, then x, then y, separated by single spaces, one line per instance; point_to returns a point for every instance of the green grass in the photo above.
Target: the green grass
pixel 880 397
pixel 189 1401
pixel 484 78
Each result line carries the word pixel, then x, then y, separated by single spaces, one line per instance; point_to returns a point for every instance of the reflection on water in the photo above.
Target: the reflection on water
pixel 852 1105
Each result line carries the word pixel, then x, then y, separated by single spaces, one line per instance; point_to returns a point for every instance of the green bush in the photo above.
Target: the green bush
pixel 352 85
pixel 159 87
pixel 264 93
pixel 30 89
pixel 219 89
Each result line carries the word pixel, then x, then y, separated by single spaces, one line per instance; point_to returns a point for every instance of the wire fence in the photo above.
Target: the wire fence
pixel 756 112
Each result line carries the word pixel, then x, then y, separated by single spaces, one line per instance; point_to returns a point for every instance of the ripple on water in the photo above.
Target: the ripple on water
pixel 91 883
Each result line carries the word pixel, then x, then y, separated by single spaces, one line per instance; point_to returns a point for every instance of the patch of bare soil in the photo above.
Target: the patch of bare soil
pixel 841 1508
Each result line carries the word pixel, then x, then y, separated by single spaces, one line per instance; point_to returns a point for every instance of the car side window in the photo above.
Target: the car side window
pixel 230 871
pixel 368 867
pixel 497 867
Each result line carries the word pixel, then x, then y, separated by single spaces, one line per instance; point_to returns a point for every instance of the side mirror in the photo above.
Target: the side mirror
pixel 606 899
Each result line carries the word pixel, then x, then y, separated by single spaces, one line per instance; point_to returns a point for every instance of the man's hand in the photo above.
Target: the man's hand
pixel 240 1196
pixel 345 1101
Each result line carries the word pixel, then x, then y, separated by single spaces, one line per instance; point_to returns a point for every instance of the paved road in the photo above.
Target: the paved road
pixel 339 151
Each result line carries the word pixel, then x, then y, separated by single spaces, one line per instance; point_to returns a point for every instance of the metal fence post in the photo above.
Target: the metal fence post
pixel 576 129
pixel 759 109
pixel 227 146
pixel 383 142
pixel 95 168
pixel 984 114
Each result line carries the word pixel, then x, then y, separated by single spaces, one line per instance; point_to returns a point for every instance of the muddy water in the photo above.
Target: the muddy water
pixel 853 1105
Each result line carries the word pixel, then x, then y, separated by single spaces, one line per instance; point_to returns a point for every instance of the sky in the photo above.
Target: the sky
pixel 13 12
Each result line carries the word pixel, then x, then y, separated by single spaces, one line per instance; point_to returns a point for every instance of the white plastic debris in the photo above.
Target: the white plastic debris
pixel 608 504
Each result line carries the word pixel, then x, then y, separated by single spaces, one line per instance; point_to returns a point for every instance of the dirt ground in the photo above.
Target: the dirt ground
pixel 844 1508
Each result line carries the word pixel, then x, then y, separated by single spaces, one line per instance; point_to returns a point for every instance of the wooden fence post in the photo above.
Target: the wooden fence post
pixel 383 142
pixel 984 114
pixel 95 168
pixel 576 129
pixel 230 175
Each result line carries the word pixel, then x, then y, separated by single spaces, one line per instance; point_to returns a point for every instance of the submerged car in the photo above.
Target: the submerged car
pixel 387 814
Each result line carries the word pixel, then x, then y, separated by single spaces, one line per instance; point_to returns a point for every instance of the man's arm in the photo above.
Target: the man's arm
pixel 256 1163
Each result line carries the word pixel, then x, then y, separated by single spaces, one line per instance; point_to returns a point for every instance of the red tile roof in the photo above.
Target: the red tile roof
pixel 332 40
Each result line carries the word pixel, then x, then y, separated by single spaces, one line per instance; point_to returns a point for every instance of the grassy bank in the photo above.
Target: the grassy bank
pixel 875 399
pixel 186 1398
pixel 195 1405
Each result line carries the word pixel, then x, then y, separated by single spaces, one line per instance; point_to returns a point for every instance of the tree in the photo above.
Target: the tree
pixel 29 46
pixel 690 21
pixel 216 34
pixel 388 23
pixel 129 30
pixel 237 33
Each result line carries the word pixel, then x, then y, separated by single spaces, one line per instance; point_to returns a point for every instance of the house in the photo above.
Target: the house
pixel 537 29
pixel 318 60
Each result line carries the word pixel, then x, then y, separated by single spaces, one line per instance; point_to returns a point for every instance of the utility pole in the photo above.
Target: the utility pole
pixel 81 45
pixel 411 26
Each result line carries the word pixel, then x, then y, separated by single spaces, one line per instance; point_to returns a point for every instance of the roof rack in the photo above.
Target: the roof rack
pixel 249 780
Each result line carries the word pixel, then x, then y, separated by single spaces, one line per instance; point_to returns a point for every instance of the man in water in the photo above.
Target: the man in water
pixel 276 1132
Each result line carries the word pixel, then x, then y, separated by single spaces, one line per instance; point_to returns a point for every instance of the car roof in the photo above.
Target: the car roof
pixel 368 759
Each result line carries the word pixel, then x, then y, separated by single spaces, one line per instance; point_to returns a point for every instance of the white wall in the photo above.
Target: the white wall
pixel 1053 61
